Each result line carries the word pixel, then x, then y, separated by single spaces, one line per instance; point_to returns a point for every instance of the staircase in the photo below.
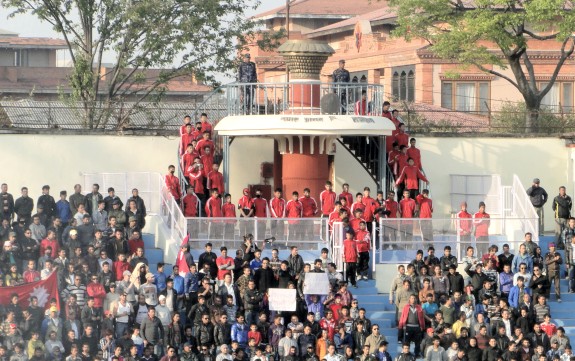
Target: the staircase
pixel 153 254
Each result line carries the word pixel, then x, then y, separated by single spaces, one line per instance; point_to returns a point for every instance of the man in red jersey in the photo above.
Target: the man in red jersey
pixel 246 207
pixel 207 159
pixel 363 239
pixel 411 176
pixel 327 199
pixel 229 211
pixel 345 205
pixel 190 203
pixel 215 178
pixel 401 137
pixel 294 209
pixel 425 211
pixel 481 222
pixel 205 142
pixel 206 126
pixel 357 219
pixel 173 183
pixel 395 118
pixel 214 210
pixel 414 153
pixel 357 205
pixel 390 228
pixel 362 106
pixel 345 194
pixel 225 265
pixel 187 120
pixel 261 210
pixel 464 226
pixel 277 210
pixel 350 257
pixel 407 208
pixel 370 207
pixel 309 210
pixel 195 174
pixel 334 216
pixel 188 158
pixel 186 138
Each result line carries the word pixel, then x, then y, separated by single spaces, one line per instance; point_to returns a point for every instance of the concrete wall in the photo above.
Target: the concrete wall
pixel 246 157
pixel 58 160
pixel 545 158
pixel 348 170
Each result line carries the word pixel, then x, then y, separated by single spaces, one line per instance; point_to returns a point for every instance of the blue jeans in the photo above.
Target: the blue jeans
pixel 120 328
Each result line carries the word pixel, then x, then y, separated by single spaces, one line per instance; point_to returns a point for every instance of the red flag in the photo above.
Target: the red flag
pixel 181 260
pixel 44 290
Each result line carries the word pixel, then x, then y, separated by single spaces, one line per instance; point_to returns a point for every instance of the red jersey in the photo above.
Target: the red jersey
pixel 214 207
pixel 370 206
pixel 229 210
pixel 327 200
pixel 206 126
pixel 187 160
pixel 389 140
pixel 120 268
pixel 425 206
pixel 205 143
pixel 208 162
pixel 464 225
pixel 196 177
pixel 277 207
pixel 481 222
pixel 391 206
pixel 329 326
pixel 414 154
pixel 216 180
pixel 402 138
pixel 361 107
pixel 49 243
pixel 354 223
pixel 363 239
pixel 549 328
pixel 190 204
pixel 134 244
pixel 294 209
pixel 350 251
pixel 245 203
pixel 333 217
pixel 356 205
pixel 186 139
pixel 348 197
pixel 173 185
pixel 260 207
pixel 407 207
pixel 97 291
pixel 386 114
pixel 410 176
pixel 392 160
pixel 221 261
pixel 309 206
pixel 183 129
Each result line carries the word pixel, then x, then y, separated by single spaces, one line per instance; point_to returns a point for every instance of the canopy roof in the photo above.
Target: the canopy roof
pixel 287 124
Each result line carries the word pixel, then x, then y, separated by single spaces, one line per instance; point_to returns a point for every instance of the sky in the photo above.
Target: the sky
pixel 30 26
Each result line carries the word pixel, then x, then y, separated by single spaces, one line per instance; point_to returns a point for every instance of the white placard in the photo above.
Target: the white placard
pixel 282 299
pixel 316 284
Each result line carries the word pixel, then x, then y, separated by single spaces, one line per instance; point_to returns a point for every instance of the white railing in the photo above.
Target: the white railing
pixel 522 208
pixel 172 215
pixel 337 245
pixel 407 235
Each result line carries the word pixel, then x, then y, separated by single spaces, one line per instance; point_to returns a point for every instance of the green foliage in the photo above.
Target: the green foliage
pixel 492 32
pixel 511 119
pixel 184 37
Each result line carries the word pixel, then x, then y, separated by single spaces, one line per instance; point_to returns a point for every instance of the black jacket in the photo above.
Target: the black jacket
pixel 23 208
pixel 537 195
pixel 205 335
pixel 562 206
pixel 491 354
pixel 47 201
pixel 222 334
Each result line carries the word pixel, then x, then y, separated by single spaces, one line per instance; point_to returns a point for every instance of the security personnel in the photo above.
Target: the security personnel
pixel 341 75
pixel 247 74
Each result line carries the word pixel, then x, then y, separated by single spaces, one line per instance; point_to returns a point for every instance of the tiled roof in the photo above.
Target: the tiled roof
pixel 383 13
pixel 41 115
pixel 324 8
pixel 15 41
pixel 435 116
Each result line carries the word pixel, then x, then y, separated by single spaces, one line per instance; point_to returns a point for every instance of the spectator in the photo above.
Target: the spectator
pixel 538 197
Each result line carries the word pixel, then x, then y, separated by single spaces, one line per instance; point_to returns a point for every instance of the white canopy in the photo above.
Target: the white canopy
pixel 287 124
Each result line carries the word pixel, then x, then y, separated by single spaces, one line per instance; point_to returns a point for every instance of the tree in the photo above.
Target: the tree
pixel 492 35
pixel 188 38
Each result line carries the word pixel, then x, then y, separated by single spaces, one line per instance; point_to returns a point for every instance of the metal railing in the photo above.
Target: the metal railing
pixel 172 215
pixel 306 233
pixel 300 97
pixel 398 239
pixel 523 208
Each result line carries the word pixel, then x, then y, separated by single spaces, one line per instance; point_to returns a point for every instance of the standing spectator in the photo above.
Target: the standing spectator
pixel 414 153
pixel 553 263
pixel 47 201
pixel 152 331
pixel 340 79
pixel 294 209
pixel 6 203
pixel 538 197
pixel 92 199
pixel 23 207
pixel 111 198
pixel 481 222
pixel 309 210
pixel 190 203
pixel 247 74
pixel 76 199
pixel 327 199
pixel 412 323
pixel 570 262
pixel 277 210
pixel 215 179
pixel 411 176
pixel 562 208
pixel 350 258
pixel 345 194
pixel 173 183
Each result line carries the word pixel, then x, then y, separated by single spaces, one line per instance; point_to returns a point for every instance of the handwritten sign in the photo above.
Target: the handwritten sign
pixel 316 284
pixel 282 299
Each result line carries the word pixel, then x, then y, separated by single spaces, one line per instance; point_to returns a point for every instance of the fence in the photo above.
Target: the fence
pixel 306 233
pixel 398 239
pixel 523 208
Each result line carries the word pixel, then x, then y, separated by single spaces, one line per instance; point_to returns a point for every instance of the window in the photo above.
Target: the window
pixel 403 86
pixel 465 96
pixel 559 98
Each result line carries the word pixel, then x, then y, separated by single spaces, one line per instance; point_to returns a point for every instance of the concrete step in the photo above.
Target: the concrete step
pixel 149 240
pixel 154 255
